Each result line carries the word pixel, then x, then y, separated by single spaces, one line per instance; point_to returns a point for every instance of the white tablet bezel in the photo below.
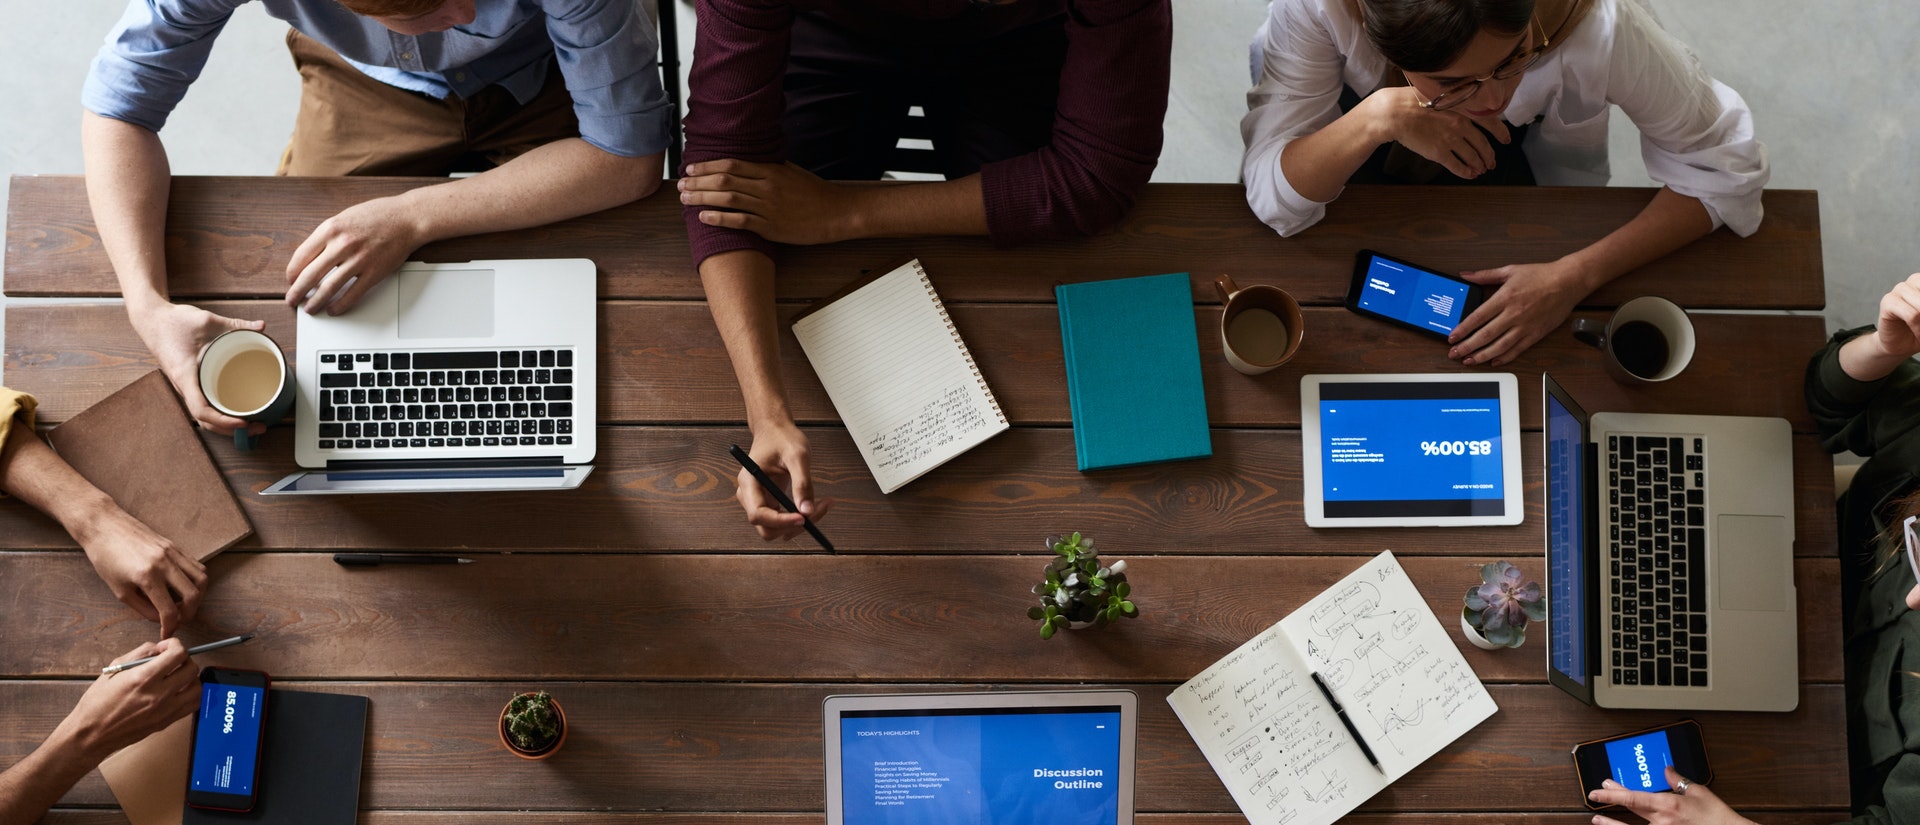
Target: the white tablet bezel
pixel 1514 509
pixel 1126 700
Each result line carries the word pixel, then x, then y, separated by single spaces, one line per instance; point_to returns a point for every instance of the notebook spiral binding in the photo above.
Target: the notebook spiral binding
pixel 927 284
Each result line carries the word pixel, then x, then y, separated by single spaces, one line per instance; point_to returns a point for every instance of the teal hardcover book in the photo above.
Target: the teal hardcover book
pixel 1133 371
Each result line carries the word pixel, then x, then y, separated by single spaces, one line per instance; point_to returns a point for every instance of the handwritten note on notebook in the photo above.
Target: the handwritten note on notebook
pixel 899 375
pixel 1277 743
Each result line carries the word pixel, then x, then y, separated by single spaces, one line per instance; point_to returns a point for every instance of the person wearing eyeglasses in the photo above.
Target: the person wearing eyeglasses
pixel 1503 92
pixel 1863 389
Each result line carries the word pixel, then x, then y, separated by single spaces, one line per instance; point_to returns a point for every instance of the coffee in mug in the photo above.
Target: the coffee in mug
pixel 1648 340
pixel 1260 326
pixel 243 374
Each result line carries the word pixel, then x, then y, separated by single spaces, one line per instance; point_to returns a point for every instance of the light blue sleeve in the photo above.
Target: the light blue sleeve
pixel 608 52
pixel 150 58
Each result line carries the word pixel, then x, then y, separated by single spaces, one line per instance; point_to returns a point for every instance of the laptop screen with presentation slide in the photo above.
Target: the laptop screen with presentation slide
pixel 979 758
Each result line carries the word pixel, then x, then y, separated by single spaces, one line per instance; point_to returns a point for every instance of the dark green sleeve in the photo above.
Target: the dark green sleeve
pixel 1865 417
pixel 1899 797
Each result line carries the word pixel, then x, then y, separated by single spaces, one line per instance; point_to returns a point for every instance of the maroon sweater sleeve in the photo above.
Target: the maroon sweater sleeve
pixel 1107 130
pixel 735 101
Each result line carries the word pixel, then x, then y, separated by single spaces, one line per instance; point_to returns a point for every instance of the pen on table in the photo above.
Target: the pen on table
pixel 1344 720
pixel 773 489
pixel 192 651
pixel 376 559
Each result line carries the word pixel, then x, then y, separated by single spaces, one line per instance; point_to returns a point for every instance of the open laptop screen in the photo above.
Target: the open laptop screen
pixel 1566 564
pixel 972 766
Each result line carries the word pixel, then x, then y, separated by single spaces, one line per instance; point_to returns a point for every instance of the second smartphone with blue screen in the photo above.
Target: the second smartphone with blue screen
pixel 1411 296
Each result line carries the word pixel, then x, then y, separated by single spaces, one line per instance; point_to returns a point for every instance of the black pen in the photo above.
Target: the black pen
pixel 773 489
pixel 1346 721
pixel 376 559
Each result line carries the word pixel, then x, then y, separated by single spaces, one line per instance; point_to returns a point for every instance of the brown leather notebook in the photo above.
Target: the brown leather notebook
pixel 140 447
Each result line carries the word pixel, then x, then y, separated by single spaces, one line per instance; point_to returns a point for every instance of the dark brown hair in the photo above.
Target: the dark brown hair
pixel 391 8
pixel 1428 35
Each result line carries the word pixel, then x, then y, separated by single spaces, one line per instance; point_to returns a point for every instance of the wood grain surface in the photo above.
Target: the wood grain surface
pixel 670 489
pixel 663 362
pixel 664 746
pixel 747 618
pixel 232 237
pixel 76 816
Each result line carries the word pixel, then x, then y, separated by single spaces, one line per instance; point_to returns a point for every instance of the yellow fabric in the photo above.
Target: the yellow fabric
pixel 14 404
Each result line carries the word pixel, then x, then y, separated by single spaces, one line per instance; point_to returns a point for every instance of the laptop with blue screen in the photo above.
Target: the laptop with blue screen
pixel 1669 559
pixel 979 758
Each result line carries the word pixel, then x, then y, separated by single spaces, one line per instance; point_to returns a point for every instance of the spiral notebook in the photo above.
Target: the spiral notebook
pixel 899 374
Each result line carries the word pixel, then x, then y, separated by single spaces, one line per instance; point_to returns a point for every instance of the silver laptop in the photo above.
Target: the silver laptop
pixel 1670 559
pixel 980 758
pixel 450 377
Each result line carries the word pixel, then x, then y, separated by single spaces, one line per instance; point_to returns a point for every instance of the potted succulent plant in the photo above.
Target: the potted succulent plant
pixel 1498 609
pixel 1077 591
pixel 533 726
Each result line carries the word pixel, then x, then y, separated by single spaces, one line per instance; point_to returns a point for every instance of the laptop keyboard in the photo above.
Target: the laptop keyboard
pixel 1657 550
pixel 385 400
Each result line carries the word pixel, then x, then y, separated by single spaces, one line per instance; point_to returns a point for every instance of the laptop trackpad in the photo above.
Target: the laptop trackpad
pixel 446 303
pixel 1753 562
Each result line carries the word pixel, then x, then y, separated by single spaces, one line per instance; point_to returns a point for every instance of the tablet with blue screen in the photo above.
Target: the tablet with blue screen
pixel 981 758
pixel 1411 450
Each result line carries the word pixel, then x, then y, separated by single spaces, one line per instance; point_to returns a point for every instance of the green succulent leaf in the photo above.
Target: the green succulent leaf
pixel 1046 630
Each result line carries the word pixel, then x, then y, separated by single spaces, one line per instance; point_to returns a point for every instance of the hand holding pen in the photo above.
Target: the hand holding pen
pixel 750 498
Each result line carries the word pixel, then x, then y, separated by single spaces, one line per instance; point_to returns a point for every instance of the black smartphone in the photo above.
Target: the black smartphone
pixel 1410 295
pixel 1639 760
pixel 227 736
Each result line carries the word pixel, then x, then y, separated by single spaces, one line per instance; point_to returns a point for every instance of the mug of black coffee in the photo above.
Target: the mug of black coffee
pixel 1647 340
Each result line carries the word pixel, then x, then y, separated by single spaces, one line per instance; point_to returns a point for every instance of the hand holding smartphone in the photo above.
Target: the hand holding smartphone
pixel 1638 761
pixel 227 737
pixel 1409 295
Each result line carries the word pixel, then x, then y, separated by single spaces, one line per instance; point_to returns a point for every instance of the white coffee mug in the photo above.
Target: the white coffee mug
pixel 1648 340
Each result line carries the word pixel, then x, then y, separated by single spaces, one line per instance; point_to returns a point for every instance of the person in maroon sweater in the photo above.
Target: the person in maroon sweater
pixel 1046 115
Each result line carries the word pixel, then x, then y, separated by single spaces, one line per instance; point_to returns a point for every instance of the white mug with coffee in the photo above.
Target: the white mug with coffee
pixel 1648 340
pixel 244 374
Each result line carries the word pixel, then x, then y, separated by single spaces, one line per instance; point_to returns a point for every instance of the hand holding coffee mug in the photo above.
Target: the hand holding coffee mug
pixel 244 374
pixel 1260 326
pixel 1648 340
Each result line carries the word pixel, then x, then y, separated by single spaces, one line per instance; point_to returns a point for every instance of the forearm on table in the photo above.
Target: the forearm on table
pixel 1318 165
pixel 1670 221
pixel 128 181
pixel 560 180
pixel 36 782
pixel 954 207
pixel 1863 359
pixel 739 287
pixel 32 472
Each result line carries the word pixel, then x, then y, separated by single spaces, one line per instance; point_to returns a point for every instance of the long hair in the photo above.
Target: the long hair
pixel 1428 35
pixel 1891 543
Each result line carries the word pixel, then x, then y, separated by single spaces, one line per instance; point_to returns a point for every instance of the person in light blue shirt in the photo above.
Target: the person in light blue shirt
pixel 558 105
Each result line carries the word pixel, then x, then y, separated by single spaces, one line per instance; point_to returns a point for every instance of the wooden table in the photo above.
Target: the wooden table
pixel 692 658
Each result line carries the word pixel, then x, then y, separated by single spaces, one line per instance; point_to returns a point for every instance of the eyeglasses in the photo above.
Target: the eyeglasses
pixel 1907 527
pixel 1513 67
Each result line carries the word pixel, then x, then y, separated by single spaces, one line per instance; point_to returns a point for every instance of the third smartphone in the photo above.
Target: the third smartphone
pixel 1639 760
pixel 1410 295
pixel 228 733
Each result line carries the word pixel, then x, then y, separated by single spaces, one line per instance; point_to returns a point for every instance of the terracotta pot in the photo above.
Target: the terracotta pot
pixel 544 753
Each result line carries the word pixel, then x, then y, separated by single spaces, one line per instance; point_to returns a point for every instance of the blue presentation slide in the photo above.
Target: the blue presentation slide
pixel 1566 605
pixel 1410 449
pixel 227 739
pixel 1422 299
pixel 977 768
pixel 1640 763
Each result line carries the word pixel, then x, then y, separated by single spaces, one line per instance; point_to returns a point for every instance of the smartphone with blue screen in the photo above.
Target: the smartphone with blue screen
pixel 228 734
pixel 1639 760
pixel 1410 295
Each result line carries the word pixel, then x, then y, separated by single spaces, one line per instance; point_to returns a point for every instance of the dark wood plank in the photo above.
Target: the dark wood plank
pixel 744 618
pixel 664 747
pixel 232 237
pixel 664 363
pixel 74 816
pixel 671 489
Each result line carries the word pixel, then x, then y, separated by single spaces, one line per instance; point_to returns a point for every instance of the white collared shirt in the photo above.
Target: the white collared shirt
pixel 1696 134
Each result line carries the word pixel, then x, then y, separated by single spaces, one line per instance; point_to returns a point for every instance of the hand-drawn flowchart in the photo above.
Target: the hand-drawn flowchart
pixel 1277 743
